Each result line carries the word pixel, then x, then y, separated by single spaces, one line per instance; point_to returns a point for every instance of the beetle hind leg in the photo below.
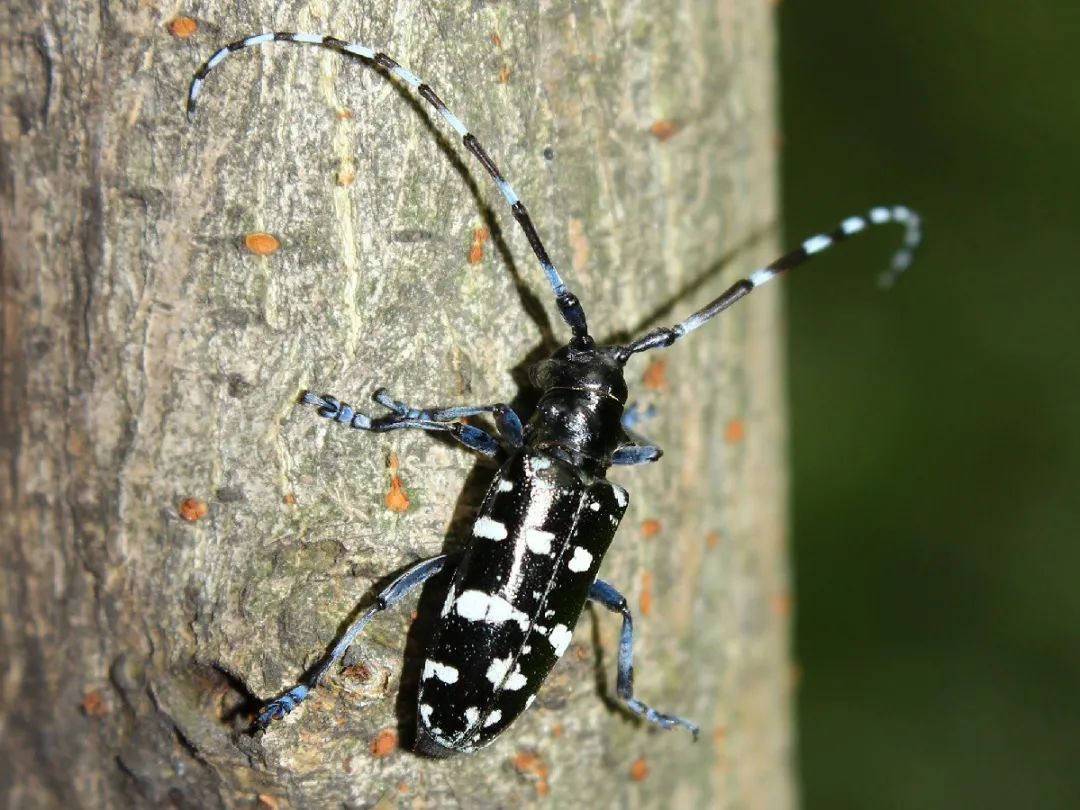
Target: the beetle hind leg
pixel 401 587
pixel 607 596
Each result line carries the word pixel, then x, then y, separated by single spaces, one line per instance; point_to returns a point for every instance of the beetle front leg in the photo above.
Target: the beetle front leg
pixel 605 595
pixel 444 420
pixel 390 596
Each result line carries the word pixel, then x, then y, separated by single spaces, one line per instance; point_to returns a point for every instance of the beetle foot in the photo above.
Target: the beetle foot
pixel 277 709
pixel 664 721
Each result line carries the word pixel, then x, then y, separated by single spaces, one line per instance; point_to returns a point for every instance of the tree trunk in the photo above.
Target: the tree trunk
pixel 152 364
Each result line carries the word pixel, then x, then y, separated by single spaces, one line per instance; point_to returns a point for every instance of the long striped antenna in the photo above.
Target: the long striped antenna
pixel 569 306
pixel 664 336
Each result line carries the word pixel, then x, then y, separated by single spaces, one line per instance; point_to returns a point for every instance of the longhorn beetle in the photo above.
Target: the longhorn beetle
pixel 548 517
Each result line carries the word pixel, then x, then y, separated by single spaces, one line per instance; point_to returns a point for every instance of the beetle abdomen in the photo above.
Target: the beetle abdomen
pixel 509 614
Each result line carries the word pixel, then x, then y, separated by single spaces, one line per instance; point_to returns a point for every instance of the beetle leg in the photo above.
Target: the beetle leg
pixel 635 415
pixel 506 420
pixel 638 450
pixel 412 579
pixel 605 595
pixel 443 420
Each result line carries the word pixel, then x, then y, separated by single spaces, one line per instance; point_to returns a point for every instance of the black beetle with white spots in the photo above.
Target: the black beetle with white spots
pixel 548 517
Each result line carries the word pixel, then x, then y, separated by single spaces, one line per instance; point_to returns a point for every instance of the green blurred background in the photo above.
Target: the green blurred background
pixel 935 437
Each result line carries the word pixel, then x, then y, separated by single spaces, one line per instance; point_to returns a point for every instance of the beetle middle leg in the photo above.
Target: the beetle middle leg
pixel 439 420
pixel 605 595
pixel 401 587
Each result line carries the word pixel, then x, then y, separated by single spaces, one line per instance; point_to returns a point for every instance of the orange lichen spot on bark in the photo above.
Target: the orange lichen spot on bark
pixel 345 178
pixel 719 734
pixel 345 114
pixel 384 744
pixel 476 252
pixel 183 27
pixel 655 376
pixel 396 499
pixel 289 499
pixel 639 769
pixel 646 593
pixel 504 74
pixel 650 528
pixel 781 604
pixel 664 129
pixel 95 704
pixel 496 40
pixel 532 767
pixel 579 243
pixel 357 672
pixel 402 787
pixel 712 539
pixel 735 431
pixel 193 509
pixel 267 801
pixel 557 730
pixel 261 244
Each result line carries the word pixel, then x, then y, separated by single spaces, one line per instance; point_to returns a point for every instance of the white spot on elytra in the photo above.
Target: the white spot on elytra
pixel 506 485
pixel 493 718
pixel 498 669
pixel 472 714
pixel 560 638
pixel 444 672
pixel 538 540
pixel 497 674
pixel 620 496
pixel 526 649
pixel 581 560
pixel 425 712
pixel 489 529
pixel 595 506
pixel 516 680
pixel 448 604
pixel 490 608
pixel 541 463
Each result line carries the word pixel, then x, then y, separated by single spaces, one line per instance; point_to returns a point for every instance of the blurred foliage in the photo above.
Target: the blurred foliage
pixel 935 438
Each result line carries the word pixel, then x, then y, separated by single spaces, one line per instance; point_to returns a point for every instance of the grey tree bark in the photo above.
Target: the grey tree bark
pixel 151 368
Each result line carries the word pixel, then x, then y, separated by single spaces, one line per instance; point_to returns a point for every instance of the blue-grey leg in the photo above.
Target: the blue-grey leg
pixel 631 454
pixel 638 450
pixel 605 595
pixel 634 415
pixel 506 420
pixel 394 593
pixel 438 420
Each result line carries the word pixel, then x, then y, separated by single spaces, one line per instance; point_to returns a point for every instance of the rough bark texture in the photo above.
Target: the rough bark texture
pixel 149 359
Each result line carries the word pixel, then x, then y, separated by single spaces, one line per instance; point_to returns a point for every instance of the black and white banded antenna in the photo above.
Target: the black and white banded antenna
pixel 569 306
pixel 664 336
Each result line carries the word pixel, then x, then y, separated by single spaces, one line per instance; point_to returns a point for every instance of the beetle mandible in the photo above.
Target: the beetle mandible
pixel 550 513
